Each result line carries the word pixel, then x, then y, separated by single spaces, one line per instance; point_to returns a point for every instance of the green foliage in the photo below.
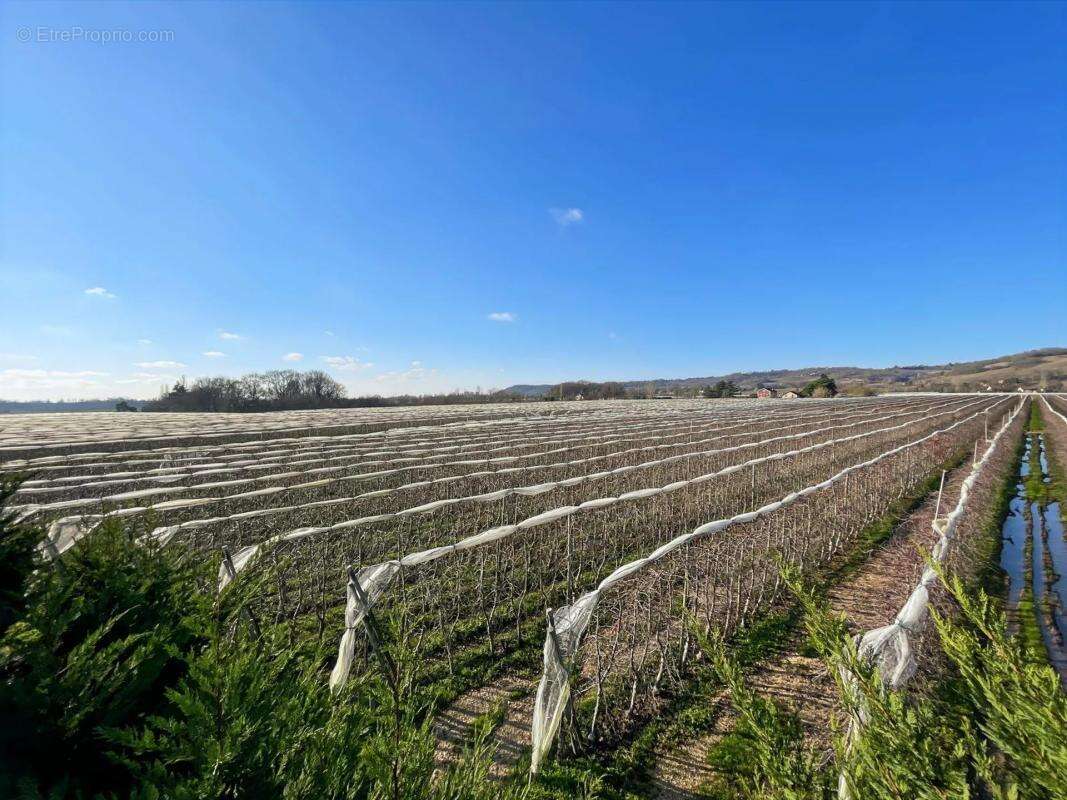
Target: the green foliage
pixel 721 389
pixel 119 677
pixel 97 641
pixel 764 756
pixel 1018 706
pixel 823 386
pixel 995 726
pixel 17 546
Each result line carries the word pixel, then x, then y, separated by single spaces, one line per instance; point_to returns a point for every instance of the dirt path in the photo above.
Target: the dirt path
pixel 453 727
pixel 869 597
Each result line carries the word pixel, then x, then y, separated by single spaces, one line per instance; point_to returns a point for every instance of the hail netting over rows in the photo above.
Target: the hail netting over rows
pixel 340 457
pixel 491 584
pixel 892 647
pixel 164 459
pixel 299 501
pixel 294 500
pixel 186 465
pixel 427 433
pixel 613 655
pixel 1052 408
pixel 387 528
pixel 34 435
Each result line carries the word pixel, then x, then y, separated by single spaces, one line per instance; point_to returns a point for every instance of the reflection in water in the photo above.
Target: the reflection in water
pixel 1041 527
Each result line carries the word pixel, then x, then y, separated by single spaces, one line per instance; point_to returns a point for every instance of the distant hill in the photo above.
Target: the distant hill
pixel 1033 369
pixel 44 406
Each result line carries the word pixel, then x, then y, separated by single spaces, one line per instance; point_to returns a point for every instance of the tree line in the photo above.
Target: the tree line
pixel 287 389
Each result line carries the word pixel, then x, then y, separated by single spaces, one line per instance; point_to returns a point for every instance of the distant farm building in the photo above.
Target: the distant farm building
pixel 763 393
pixel 791 395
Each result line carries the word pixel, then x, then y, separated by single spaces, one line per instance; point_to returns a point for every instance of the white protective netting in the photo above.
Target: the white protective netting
pixel 589 550
pixel 892 648
pixel 569 624
pixel 68 529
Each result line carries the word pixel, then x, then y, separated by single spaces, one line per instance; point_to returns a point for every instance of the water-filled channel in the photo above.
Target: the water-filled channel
pixel 1034 555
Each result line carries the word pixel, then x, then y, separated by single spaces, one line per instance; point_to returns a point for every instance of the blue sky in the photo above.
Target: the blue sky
pixel 420 197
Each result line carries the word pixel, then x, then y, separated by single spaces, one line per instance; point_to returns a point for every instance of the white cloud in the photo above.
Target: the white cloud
pixel 503 316
pixel 416 373
pixel 100 291
pixel 38 380
pixel 613 335
pixel 347 363
pixel 566 216
pixel 144 341
pixel 16 357
pixel 329 333
pixel 231 337
pixel 213 354
pixel 293 357
pixel 160 365
pixel 146 377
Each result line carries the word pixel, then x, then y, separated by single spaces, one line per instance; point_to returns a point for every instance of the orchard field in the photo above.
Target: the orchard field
pixel 617 598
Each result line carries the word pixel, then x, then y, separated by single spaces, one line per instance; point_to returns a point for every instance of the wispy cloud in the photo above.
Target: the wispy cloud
pixel 566 216
pixel 100 291
pixel 213 354
pixel 329 333
pixel 416 373
pixel 503 316
pixel 144 341
pixel 41 379
pixel 160 365
pixel 346 363
pixel 230 337
pixel 293 357
pixel 146 377
pixel 18 358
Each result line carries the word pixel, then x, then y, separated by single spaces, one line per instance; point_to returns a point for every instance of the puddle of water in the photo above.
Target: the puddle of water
pixel 1014 534
pixel 1057 548
pixel 1042 527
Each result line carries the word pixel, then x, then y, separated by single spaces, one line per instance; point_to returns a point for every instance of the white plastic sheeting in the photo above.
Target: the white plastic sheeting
pixel 493 534
pixel 62 505
pixel 569 623
pixel 889 647
pixel 376 579
pixel 1053 410
pixel 339 450
pixel 64 532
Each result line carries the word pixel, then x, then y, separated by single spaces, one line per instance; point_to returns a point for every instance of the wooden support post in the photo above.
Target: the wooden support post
pixel 940 489
pixel 253 623
pixel 371 625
